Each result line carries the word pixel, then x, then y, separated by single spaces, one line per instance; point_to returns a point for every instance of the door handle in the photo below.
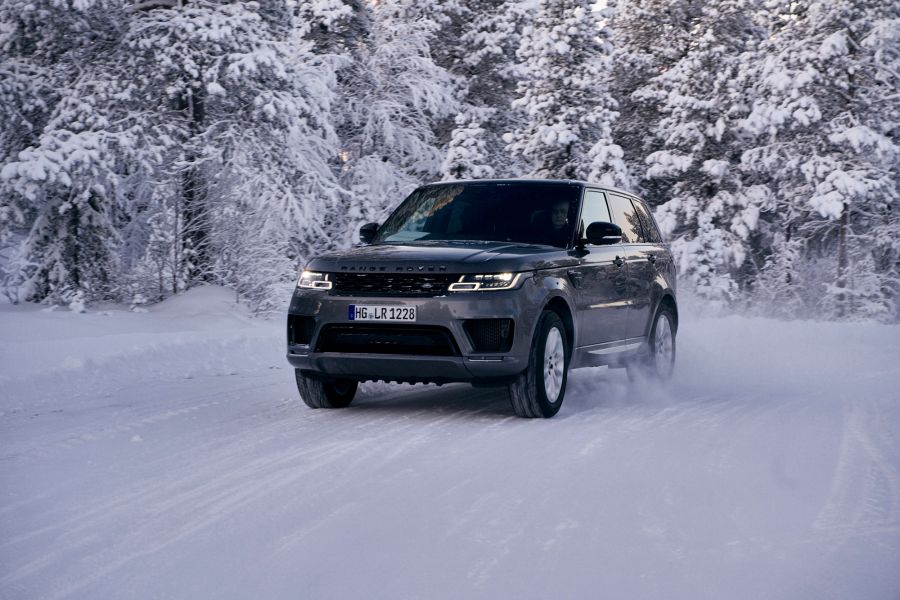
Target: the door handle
pixel 618 262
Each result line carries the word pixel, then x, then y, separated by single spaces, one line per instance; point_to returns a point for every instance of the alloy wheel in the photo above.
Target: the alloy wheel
pixel 554 363
pixel 664 347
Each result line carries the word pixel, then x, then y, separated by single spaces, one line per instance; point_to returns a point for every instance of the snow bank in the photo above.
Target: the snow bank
pixel 38 341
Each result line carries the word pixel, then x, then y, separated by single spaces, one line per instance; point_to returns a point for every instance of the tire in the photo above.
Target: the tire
pixel 532 392
pixel 659 362
pixel 318 393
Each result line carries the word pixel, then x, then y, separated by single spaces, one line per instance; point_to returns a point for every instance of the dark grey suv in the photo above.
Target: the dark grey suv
pixel 494 282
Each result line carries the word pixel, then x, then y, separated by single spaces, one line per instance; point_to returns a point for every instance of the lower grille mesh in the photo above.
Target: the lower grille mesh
pixel 390 339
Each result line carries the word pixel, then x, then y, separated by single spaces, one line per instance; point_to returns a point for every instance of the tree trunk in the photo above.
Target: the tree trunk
pixel 195 221
pixel 842 260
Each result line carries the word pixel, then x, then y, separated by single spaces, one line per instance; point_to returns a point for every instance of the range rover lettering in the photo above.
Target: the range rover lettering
pixel 492 282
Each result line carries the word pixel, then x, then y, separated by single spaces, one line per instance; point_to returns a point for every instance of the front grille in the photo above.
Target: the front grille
pixel 300 329
pixel 387 339
pixel 490 335
pixel 391 284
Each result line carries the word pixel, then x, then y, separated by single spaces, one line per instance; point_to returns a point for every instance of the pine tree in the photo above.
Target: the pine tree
pixel 568 110
pixel 261 150
pixel 183 113
pixel 648 38
pixel 396 105
pixel 60 152
pixel 478 44
pixel 710 212
pixel 826 118
pixel 467 156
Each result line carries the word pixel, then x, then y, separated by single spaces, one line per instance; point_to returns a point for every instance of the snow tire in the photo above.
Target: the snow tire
pixel 528 392
pixel 318 393
pixel 658 363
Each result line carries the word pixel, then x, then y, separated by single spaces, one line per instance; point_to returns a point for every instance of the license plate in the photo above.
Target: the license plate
pixel 367 312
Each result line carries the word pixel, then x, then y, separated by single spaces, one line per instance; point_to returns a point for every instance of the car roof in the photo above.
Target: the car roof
pixel 537 182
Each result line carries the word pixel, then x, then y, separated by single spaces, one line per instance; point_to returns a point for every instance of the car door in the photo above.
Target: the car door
pixel 635 251
pixel 600 281
pixel 654 262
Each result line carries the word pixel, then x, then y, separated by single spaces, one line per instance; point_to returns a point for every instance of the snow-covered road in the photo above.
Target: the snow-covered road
pixel 167 455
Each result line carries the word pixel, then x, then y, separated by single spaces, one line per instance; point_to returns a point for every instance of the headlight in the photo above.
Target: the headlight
pixel 311 280
pixel 492 281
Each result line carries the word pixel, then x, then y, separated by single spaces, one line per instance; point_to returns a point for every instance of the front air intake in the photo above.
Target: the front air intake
pixel 300 329
pixel 490 335
pixel 387 339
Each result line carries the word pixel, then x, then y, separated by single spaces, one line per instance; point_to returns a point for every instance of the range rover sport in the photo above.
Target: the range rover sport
pixel 493 282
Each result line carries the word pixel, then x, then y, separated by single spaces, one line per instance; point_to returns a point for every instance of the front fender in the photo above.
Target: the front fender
pixel 555 290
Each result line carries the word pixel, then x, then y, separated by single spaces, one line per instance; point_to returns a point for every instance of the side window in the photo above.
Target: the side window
pixel 593 210
pixel 624 216
pixel 651 233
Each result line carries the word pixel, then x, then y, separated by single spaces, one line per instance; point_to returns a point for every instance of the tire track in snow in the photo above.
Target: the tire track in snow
pixel 865 488
pixel 196 507
pixel 179 509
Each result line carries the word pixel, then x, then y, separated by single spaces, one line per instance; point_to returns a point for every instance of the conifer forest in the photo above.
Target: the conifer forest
pixel 148 146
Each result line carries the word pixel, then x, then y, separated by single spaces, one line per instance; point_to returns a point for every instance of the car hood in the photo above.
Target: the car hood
pixel 444 257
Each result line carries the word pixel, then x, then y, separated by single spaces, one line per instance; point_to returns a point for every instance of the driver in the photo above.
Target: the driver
pixel 559 221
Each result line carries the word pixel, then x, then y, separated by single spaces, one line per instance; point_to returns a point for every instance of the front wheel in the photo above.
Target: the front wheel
pixel 317 393
pixel 539 390
pixel 659 362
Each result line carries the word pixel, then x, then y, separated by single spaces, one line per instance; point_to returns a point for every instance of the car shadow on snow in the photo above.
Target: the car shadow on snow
pixel 459 399
pixel 589 391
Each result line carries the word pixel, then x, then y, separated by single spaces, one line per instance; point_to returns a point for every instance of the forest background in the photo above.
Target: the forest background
pixel 152 145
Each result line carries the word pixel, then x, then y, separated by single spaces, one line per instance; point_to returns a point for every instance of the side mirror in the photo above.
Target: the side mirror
pixel 367 232
pixel 602 233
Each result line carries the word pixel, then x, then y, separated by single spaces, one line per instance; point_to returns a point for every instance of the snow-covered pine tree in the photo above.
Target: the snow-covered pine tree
pixel 266 146
pixel 333 26
pixel 648 37
pixel 826 115
pixel 341 32
pixel 478 44
pixel 568 111
pixel 60 152
pixel 186 115
pixel 390 118
pixel 467 156
pixel 253 104
pixel 710 213
pixel 27 95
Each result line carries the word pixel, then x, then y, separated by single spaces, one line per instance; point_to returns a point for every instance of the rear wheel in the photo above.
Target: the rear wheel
pixel 318 393
pixel 659 362
pixel 539 390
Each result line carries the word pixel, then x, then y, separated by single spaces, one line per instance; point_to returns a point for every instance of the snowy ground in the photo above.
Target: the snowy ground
pixel 167 455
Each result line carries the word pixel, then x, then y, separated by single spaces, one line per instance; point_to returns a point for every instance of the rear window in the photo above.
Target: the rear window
pixel 651 233
pixel 624 216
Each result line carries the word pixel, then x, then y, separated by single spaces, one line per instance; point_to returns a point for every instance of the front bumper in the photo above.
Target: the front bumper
pixel 523 305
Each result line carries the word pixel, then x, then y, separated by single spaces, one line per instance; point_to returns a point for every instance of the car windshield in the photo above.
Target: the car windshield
pixel 530 213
